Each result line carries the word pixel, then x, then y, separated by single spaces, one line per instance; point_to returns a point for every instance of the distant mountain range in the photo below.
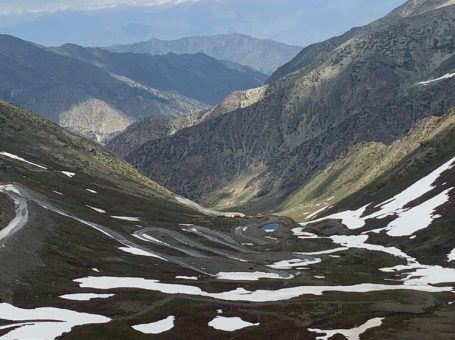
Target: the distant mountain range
pixel 371 84
pixel 98 93
pixel 260 54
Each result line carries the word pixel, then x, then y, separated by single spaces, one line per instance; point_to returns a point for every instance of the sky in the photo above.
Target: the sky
pixel 36 6
pixel 107 22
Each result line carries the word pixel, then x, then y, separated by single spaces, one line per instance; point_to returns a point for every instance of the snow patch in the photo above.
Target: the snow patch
pixel 101 211
pixel 409 220
pixel 43 323
pixel 451 256
pixel 68 174
pixel 156 327
pixel 418 217
pixel 12 156
pixel 444 77
pixel 349 334
pixel 241 294
pixel 194 278
pixel 230 324
pixel 126 218
pixel 325 252
pixel 289 264
pixel 250 276
pixel 140 252
pixel 85 296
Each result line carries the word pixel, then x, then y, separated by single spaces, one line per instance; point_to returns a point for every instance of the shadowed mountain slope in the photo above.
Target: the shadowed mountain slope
pixel 98 94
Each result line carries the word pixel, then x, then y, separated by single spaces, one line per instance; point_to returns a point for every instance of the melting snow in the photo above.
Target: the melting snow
pixel 126 218
pixel 10 155
pixel 289 264
pixel 451 256
pixel 68 174
pixel 359 242
pixel 250 276
pixel 156 327
pixel 241 294
pixel 325 252
pixel 349 334
pixel 194 278
pixel 418 217
pixel 43 323
pixel 446 76
pixel 85 296
pixel 418 274
pixel 151 238
pixel 230 324
pixel 140 252
pixel 409 220
pixel 96 270
pixel 101 211
pixel 57 192
pixel 92 191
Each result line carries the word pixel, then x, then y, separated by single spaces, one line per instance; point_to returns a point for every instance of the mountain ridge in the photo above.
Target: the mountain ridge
pixel 353 93
pixel 261 54
pixel 86 95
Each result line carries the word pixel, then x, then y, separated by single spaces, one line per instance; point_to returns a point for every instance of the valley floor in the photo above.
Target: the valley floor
pixel 114 275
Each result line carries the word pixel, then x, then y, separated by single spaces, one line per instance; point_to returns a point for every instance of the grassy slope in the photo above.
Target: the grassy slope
pixel 366 163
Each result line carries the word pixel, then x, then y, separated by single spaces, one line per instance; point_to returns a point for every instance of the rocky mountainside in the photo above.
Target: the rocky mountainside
pixel 149 129
pixel 98 94
pixel 195 76
pixel 91 249
pixel 370 85
pixel 429 143
pixel 263 55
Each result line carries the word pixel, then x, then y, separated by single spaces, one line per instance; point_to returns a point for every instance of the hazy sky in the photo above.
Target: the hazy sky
pixel 106 22
pixel 33 6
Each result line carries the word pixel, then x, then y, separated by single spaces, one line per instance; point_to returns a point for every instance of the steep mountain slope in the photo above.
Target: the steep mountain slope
pixel 150 129
pixel 430 140
pixel 408 211
pixel 90 249
pixel 410 204
pixel 98 93
pixel 196 76
pixel 368 86
pixel 76 94
pixel 262 55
